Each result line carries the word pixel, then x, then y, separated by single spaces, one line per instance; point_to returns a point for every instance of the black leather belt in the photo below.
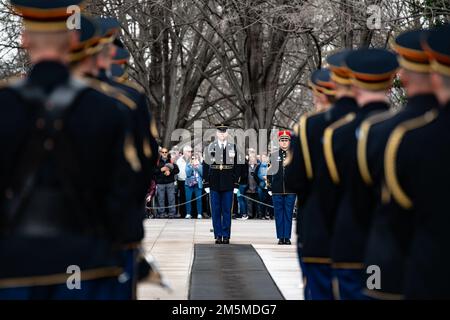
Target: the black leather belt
pixel 222 166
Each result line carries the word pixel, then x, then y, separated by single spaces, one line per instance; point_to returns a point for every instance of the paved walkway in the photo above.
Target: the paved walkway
pixel 171 242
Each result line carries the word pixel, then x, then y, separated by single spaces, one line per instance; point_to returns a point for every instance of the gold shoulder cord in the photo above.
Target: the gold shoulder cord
pixel 328 145
pixel 305 146
pixel 390 157
pixel 131 155
pixel 112 92
pixel 362 144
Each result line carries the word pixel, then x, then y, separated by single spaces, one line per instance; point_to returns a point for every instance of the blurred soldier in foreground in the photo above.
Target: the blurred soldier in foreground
pixel 372 71
pixel 372 203
pixel 417 175
pixel 65 177
pixel 306 174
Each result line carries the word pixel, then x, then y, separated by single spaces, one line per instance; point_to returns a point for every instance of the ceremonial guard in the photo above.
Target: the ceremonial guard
pixel 221 176
pixel 371 204
pixel 416 169
pixel 64 172
pixel 144 133
pixel 306 175
pixel 283 198
pixel 373 71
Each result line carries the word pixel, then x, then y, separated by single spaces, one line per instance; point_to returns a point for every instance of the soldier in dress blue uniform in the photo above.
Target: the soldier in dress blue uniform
pixel 306 175
pixel 416 169
pixel 283 198
pixel 64 171
pixel 221 176
pixel 143 135
pixel 372 71
pixel 323 90
pixel 370 204
pixel 83 62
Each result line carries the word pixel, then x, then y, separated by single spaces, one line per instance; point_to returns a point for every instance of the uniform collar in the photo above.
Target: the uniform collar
pixel 346 104
pixel 48 74
pixel 423 101
pixel 374 106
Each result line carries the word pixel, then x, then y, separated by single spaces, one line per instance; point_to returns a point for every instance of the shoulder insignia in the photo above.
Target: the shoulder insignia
pixel 110 91
pixel 130 154
pixel 362 144
pixel 305 146
pixel 390 157
pixel 328 145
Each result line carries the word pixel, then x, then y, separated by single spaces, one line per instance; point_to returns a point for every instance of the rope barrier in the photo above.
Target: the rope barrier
pixel 193 200
pixel 176 205
pixel 264 204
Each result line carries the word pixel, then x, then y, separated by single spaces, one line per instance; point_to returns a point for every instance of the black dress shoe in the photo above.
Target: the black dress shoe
pixel 281 241
pixel 287 241
pixel 226 241
pixel 219 241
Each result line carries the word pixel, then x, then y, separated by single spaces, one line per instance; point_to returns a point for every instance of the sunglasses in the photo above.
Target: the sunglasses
pixel 164 152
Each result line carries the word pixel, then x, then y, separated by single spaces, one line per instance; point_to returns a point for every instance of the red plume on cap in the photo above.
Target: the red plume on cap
pixel 284 134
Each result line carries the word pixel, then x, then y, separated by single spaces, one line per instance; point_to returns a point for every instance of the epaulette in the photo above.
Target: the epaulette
pixel 110 91
pixel 390 156
pixel 133 85
pixel 362 143
pixel 328 145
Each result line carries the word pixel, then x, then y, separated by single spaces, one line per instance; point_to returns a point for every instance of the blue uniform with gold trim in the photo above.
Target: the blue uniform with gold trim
pixel 417 156
pixel 54 228
pixel 305 176
pixel 372 213
pixel 348 236
pixel 222 169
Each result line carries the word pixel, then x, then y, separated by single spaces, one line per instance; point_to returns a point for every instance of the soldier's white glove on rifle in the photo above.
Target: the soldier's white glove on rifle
pixel 207 190
pixel 270 193
pixel 235 191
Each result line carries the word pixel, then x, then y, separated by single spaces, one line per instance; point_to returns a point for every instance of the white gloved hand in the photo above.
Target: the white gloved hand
pixel 207 190
pixel 270 193
pixel 235 191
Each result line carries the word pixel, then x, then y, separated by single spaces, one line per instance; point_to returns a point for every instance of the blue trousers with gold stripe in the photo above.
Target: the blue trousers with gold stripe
pixel 221 207
pixel 348 284
pixel 318 278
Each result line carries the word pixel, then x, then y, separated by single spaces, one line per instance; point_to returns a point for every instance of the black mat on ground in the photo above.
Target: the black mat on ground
pixel 230 272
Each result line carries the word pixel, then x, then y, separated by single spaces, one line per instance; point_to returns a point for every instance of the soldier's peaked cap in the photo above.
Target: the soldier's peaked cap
pixel 45 15
pixel 412 56
pixel 437 46
pixel 109 27
pixel 321 82
pixel 89 40
pixel 222 127
pixel 339 71
pixel 372 69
